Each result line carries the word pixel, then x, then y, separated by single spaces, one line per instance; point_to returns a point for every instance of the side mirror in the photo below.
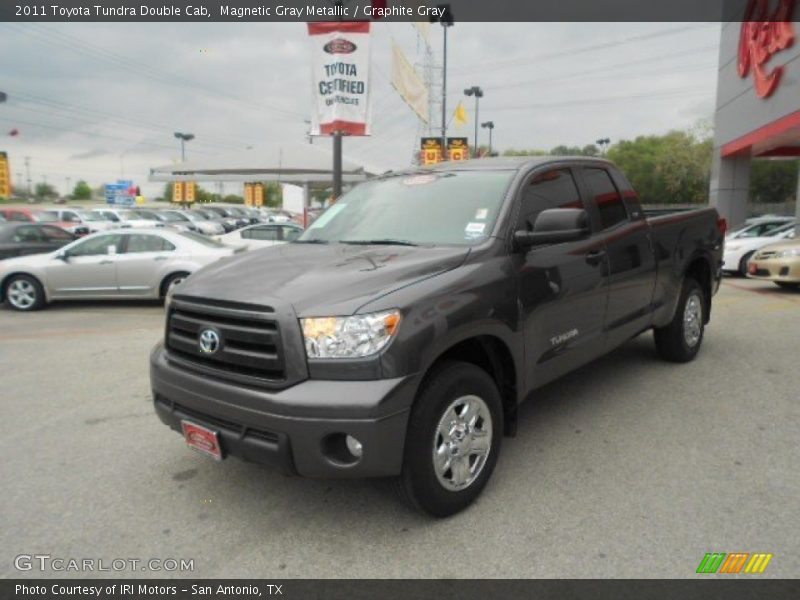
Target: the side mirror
pixel 63 255
pixel 555 226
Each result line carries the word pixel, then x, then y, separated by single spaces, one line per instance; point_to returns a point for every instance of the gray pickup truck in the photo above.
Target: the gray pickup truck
pixel 397 336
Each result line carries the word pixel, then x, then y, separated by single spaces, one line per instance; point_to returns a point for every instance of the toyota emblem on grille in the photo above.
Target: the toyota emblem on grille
pixel 209 341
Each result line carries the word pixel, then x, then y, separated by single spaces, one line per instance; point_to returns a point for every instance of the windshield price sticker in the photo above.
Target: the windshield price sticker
pixel 419 180
pixel 474 230
pixel 481 214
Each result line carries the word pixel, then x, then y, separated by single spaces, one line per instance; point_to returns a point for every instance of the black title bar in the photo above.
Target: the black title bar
pixel 293 11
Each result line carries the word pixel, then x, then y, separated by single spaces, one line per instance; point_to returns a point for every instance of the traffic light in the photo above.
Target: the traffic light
pixel 5 176
pixel 177 191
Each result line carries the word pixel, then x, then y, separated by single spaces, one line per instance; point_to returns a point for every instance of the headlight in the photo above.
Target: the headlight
pixel 788 253
pixel 349 337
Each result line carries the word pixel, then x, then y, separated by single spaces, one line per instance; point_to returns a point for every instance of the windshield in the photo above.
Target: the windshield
pixel 458 207
pixel 173 216
pixel 198 215
pixel 92 216
pixel 201 239
pixel 46 216
pixel 150 215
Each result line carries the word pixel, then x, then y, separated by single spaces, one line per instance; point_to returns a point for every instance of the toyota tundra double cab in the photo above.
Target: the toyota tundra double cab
pixel 397 336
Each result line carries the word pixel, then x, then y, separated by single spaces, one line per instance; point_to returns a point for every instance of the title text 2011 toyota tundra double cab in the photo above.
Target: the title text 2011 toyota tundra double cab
pixel 397 336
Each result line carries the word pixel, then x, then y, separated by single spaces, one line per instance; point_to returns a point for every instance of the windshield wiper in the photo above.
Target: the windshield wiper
pixel 311 241
pixel 383 242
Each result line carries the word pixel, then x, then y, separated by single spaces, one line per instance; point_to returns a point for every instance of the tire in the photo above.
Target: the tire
pixel 24 293
pixel 680 341
pixel 171 280
pixel 743 263
pixel 787 285
pixel 452 391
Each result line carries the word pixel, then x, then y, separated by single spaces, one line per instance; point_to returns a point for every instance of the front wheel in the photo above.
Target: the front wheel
pixel 680 340
pixel 24 293
pixel 453 441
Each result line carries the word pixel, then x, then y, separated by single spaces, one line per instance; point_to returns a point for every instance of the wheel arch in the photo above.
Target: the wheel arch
pixel 493 355
pixel 162 286
pixel 7 277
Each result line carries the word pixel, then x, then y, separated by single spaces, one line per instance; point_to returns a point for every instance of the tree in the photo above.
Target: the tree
pixel 773 180
pixel 45 191
pixel 82 191
pixel 666 169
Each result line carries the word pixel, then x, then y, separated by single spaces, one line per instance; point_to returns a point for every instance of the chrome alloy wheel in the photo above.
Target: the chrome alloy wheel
pixel 692 320
pixel 462 443
pixel 21 294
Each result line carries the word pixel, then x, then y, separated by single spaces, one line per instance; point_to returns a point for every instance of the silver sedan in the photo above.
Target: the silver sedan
pixel 125 264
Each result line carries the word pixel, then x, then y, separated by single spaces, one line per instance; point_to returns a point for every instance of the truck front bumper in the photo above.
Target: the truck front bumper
pixel 300 429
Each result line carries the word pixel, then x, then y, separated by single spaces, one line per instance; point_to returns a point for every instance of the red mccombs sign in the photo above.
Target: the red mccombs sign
pixel 763 35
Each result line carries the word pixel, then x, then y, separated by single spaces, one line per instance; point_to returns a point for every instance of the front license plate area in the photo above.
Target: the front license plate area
pixel 202 439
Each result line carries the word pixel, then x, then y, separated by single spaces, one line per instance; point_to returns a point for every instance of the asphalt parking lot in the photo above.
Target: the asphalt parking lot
pixel 630 467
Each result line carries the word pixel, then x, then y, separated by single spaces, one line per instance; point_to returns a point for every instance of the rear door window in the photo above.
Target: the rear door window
pixel 147 243
pixel 606 197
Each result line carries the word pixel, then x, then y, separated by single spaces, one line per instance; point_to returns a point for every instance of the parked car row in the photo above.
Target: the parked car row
pixel 743 244
pixel 123 263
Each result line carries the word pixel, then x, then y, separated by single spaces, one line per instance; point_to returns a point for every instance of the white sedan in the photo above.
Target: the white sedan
pixel 262 235
pixel 121 264
pixel 741 248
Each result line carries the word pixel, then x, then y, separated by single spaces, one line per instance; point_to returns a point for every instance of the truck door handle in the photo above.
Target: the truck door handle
pixel 160 258
pixel 595 257
pixel 106 262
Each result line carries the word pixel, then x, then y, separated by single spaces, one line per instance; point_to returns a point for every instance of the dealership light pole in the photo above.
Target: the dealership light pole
pixel 603 143
pixel 446 19
pixel 478 93
pixel 488 125
pixel 184 137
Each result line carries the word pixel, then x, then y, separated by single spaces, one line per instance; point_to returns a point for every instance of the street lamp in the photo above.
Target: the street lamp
pixel 478 93
pixel 489 125
pixel 184 137
pixel 446 19
pixel 603 143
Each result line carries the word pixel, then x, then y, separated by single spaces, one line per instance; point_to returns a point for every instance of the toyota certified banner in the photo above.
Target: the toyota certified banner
pixel 340 63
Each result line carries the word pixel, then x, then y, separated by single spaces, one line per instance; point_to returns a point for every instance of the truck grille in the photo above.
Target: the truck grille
pixel 244 344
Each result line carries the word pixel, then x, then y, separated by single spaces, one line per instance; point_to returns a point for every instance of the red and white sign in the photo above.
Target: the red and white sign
pixel 763 35
pixel 340 63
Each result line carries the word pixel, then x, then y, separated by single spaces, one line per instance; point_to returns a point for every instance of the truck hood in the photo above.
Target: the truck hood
pixel 320 280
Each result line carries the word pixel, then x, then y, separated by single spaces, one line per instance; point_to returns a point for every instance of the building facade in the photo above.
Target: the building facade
pixel 758 100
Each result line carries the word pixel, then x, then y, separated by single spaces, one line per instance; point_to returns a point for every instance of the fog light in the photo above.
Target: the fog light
pixel 354 446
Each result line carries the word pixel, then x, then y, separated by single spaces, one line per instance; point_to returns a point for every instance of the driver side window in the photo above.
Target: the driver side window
pixel 551 189
pixel 96 246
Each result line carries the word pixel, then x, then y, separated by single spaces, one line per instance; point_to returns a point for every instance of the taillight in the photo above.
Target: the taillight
pixel 722 226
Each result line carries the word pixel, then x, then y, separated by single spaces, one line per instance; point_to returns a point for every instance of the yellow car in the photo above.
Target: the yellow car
pixel 779 263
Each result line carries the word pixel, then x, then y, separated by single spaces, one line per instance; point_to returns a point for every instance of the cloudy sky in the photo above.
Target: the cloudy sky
pixel 96 101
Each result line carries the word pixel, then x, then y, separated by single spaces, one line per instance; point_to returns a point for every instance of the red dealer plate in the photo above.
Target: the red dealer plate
pixel 202 439
pixel 753 267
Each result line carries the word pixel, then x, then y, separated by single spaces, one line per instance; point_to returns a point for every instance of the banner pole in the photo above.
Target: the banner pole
pixel 337 164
